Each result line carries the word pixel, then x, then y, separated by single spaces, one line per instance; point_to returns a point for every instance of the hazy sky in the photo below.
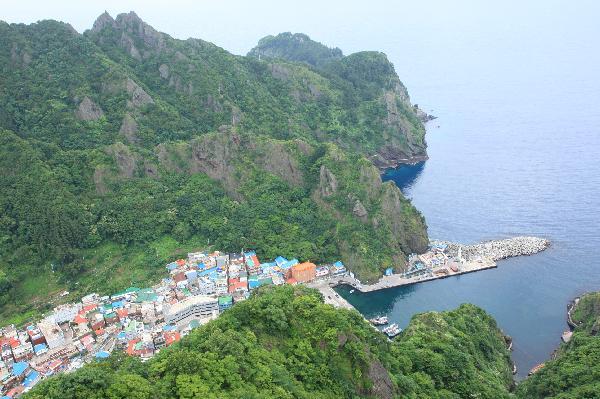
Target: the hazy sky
pixel 430 42
pixel 238 24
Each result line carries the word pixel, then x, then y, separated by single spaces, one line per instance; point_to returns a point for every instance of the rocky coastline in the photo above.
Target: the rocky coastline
pixel 384 160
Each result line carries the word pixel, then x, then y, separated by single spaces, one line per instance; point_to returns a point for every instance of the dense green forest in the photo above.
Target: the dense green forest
pixel 285 342
pixel 575 371
pixel 123 148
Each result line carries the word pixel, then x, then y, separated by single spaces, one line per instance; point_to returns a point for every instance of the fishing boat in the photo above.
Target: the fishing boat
pixel 379 321
pixel 351 291
pixel 392 330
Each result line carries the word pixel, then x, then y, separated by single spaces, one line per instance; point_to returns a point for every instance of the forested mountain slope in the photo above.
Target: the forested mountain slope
pixel 123 147
pixel 285 343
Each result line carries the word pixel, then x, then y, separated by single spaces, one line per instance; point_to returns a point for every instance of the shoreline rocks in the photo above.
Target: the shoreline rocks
pixel 498 249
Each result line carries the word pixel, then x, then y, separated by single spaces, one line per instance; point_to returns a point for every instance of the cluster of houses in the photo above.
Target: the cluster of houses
pixel 434 262
pixel 141 321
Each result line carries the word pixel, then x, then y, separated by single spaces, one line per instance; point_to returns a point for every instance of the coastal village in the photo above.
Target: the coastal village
pixel 142 321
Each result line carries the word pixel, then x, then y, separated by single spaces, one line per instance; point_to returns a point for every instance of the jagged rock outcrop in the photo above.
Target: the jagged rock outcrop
pixel 382 385
pixel 103 21
pixel 280 71
pixel 139 97
pixel 163 70
pixel 360 211
pixel 125 160
pixel 422 115
pixel 129 128
pixel 327 182
pixel 88 110
pixel 275 158
pixel 409 238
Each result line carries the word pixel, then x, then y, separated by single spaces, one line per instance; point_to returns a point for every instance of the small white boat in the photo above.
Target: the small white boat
pixel 379 321
pixel 351 291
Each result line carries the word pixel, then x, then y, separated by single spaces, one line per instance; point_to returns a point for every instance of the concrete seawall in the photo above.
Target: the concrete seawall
pixel 498 249
pixel 473 258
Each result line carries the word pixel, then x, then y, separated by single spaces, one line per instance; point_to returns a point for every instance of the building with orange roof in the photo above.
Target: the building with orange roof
pixel 171 337
pixel 235 285
pixel 131 347
pixel 88 308
pixel 304 272
pixel 122 313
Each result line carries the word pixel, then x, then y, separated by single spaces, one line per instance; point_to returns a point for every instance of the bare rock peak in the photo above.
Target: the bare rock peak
pixel 103 21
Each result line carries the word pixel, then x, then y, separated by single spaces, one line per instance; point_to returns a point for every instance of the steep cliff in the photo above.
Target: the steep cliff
pixel 170 145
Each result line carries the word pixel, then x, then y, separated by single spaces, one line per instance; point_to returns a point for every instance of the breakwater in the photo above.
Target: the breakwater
pixel 465 258
pixel 497 249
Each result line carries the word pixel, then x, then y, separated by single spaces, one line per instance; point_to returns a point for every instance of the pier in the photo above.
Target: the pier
pixel 446 259
pixel 329 295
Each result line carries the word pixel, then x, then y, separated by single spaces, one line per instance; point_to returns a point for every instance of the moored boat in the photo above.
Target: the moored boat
pixel 379 321
pixel 392 330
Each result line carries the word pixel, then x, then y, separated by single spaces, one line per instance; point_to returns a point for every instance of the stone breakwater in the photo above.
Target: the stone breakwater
pixel 497 249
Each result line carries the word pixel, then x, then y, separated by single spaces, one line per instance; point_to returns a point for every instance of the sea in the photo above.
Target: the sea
pixel 515 150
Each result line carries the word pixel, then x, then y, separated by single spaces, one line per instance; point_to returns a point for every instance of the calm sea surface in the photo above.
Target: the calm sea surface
pixel 515 151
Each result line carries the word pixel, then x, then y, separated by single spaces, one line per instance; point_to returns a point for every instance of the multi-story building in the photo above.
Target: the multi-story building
pixel 194 307
pixel 54 335
pixel 304 272
pixel 206 286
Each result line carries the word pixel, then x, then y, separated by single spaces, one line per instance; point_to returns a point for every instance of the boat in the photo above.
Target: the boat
pixel 392 330
pixel 379 321
pixel 351 291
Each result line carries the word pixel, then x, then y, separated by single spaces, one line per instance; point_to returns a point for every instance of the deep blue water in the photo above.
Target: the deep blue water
pixel 515 151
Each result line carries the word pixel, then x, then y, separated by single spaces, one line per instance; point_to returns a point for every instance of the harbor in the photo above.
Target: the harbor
pixel 446 259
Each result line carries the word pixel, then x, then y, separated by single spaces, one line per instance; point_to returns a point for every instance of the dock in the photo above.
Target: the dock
pixel 398 280
pixel 446 259
pixel 329 295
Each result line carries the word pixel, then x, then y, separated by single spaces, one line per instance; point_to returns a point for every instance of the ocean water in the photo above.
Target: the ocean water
pixel 515 151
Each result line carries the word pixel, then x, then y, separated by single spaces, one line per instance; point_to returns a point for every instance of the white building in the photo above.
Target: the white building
pixel 52 332
pixel 206 286
pixel 194 307
pixel 221 286
pixel 65 313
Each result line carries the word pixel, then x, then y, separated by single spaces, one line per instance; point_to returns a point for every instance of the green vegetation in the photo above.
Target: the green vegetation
pixel 295 47
pixel 285 343
pixel 575 372
pixel 122 148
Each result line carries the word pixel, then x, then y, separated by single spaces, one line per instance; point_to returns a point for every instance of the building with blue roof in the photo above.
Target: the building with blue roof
pixel 338 268
pixel 118 304
pixel 31 379
pixel 19 368
pixel 288 264
pixel 280 260
pixel 40 348
pixel 171 266
pixel 102 355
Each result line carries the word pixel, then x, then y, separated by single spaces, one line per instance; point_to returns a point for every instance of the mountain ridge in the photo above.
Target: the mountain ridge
pixel 128 123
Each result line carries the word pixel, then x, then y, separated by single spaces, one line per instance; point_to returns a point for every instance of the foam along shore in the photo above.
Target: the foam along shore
pixel 445 259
